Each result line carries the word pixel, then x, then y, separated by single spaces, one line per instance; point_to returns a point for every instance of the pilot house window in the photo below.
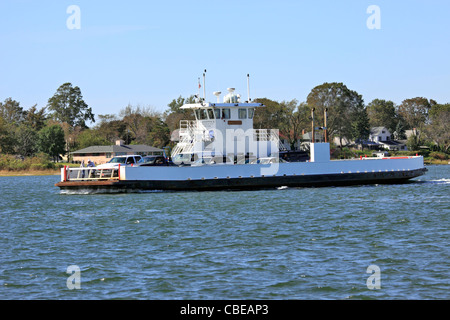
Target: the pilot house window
pixel 225 113
pixel 201 114
pixel 251 112
pixel 242 113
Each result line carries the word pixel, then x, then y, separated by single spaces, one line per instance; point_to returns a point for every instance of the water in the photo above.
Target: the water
pixel 306 243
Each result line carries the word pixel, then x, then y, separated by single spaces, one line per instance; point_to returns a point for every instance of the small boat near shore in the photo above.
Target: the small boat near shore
pixel 220 150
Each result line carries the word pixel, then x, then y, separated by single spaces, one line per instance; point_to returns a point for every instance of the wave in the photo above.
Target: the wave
pixel 438 181
pixel 92 191
pixel 107 191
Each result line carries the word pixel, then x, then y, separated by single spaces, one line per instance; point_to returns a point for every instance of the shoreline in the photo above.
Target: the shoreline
pixel 436 162
pixel 7 173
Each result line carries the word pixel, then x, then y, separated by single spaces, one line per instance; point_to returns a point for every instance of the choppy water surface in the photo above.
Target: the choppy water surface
pixel 306 243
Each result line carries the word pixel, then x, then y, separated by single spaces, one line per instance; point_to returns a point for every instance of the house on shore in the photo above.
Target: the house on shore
pixel 380 138
pixel 102 154
pixel 318 136
pixel 383 138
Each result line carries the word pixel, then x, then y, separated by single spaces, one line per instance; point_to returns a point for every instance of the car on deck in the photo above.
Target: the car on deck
pixel 125 160
pixel 154 160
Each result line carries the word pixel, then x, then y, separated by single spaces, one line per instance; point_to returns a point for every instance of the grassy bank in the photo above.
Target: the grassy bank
pixel 429 161
pixel 8 173
pixel 38 165
pixel 430 157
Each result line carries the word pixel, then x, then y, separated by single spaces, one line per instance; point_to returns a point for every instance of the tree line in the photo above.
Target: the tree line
pixel 61 126
pixel 350 118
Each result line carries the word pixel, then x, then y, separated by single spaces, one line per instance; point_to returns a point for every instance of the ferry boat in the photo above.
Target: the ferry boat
pixel 220 150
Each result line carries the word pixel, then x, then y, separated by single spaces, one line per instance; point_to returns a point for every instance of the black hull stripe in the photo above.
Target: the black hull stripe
pixel 344 179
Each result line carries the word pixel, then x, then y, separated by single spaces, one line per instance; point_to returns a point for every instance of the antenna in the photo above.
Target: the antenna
pixel 248 87
pixel 217 94
pixel 204 85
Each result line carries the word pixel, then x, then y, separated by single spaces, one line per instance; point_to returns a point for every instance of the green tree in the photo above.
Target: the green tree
pixel 20 127
pixel 11 111
pixel 382 113
pixel 35 118
pixel 344 108
pixel 67 105
pixel 177 103
pixel 360 129
pixel 159 135
pixel 51 141
pixel 7 140
pixel 413 142
pixel 145 125
pixel 272 116
pixel 438 129
pixel 399 133
pixel 297 119
pixel 111 128
pixel 415 111
pixel 91 137
pixel 173 116
pixel 26 140
pixel 289 117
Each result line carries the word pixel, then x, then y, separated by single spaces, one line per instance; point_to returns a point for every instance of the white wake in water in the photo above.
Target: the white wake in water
pixel 438 181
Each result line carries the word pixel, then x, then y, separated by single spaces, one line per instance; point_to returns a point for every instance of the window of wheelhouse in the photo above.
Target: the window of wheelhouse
pixel 251 113
pixel 201 114
pixel 242 113
pixel 204 114
pixel 226 113
pixel 210 114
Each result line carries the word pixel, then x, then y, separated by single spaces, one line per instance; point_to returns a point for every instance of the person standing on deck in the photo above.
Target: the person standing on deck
pixel 82 166
pixel 91 165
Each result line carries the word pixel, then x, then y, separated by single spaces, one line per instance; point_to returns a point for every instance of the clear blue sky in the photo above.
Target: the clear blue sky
pixel 149 52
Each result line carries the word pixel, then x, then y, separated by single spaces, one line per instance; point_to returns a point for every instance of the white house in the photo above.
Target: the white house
pixel 382 137
pixel 379 134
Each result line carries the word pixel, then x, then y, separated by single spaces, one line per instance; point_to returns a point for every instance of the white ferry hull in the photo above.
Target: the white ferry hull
pixel 258 176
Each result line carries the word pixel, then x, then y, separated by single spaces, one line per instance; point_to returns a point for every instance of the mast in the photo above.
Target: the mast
pixel 325 125
pixel 313 140
pixel 248 87
pixel 204 86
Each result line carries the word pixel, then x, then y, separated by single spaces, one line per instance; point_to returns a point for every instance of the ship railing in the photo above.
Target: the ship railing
pixel 185 145
pixel 192 129
pixel 268 135
pixel 89 174
pixel 187 127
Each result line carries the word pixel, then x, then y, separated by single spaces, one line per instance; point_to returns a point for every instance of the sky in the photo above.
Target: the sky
pixel 149 52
